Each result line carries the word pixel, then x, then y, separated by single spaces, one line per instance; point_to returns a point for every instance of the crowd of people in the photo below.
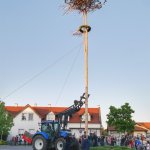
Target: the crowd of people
pixel 91 141
pixel 18 140
pixel 139 142
pixel 133 142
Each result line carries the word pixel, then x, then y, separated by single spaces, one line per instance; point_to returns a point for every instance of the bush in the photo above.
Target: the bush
pixel 110 148
pixel 3 142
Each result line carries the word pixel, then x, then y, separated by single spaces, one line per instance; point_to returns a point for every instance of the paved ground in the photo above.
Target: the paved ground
pixel 15 147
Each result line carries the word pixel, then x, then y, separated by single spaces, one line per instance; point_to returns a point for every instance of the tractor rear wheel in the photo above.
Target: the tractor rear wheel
pixel 60 144
pixel 39 143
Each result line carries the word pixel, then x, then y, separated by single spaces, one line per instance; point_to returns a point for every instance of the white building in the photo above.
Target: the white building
pixel 27 118
pixel 140 128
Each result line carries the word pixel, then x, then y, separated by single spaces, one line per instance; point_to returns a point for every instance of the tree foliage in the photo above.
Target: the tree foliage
pixel 121 118
pixel 6 120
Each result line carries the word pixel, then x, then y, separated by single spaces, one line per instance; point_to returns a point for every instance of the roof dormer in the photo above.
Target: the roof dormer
pixel 83 117
pixel 50 116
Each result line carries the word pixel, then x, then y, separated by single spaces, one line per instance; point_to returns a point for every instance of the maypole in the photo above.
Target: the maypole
pixel 84 7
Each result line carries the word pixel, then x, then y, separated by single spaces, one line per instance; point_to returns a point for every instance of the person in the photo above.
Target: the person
pixel 102 140
pixel 148 145
pixel 138 144
pixel 90 140
pixel 131 143
pixel 16 140
pixel 85 143
pixel 20 139
pixel 68 142
pixel 122 140
pixel 13 140
pixel 80 140
pixel 95 143
pixel 113 141
pixel 99 141
pixel 72 143
pixel 75 144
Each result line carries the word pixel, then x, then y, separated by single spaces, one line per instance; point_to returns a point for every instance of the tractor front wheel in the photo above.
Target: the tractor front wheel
pixel 39 143
pixel 60 144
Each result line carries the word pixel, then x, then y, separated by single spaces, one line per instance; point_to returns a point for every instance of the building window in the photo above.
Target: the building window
pixel 24 117
pixel 30 117
pixel 20 131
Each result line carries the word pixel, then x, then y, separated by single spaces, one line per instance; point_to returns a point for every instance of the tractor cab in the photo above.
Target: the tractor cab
pixel 50 126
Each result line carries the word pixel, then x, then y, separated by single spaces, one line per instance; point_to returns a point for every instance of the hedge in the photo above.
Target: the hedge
pixel 3 142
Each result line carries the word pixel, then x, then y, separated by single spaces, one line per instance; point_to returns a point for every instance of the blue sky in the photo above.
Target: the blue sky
pixel 42 62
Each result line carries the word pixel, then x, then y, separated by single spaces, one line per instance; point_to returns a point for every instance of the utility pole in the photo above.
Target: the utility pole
pixel 85 6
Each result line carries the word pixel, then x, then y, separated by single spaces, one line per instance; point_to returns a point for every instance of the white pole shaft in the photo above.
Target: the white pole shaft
pixel 86 71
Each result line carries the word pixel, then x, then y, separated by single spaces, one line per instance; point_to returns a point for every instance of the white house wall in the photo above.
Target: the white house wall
pixel 79 133
pixel 139 133
pixel 77 129
pixel 115 134
pixel 82 125
pixel 25 125
pixel 135 133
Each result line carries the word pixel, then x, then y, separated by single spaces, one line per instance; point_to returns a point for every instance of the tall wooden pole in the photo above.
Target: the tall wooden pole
pixel 85 36
pixel 85 6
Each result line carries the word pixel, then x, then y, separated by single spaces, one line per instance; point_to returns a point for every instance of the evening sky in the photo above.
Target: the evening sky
pixel 42 62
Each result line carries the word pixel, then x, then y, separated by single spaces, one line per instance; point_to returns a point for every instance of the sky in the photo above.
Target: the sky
pixel 42 62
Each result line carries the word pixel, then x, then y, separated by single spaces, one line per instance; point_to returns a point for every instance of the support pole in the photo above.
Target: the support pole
pixel 85 36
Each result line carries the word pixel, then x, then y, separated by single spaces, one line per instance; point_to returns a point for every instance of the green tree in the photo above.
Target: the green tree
pixel 121 118
pixel 6 121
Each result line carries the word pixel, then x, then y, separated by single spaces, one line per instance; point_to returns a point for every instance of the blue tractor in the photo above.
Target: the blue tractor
pixel 54 135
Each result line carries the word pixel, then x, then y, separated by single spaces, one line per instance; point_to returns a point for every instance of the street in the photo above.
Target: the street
pixel 6 147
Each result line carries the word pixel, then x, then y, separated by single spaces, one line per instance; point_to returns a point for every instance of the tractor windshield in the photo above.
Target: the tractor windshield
pixel 56 126
pixel 45 127
pixel 50 126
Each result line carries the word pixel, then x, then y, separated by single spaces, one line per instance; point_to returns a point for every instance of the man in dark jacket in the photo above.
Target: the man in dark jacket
pixel 85 143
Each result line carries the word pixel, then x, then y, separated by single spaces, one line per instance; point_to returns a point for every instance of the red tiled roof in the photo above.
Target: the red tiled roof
pixel 14 110
pixel 43 111
pixel 140 126
pixel 144 124
pixel 94 112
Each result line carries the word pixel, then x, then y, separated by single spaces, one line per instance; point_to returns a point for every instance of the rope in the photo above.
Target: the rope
pixel 68 75
pixel 40 72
